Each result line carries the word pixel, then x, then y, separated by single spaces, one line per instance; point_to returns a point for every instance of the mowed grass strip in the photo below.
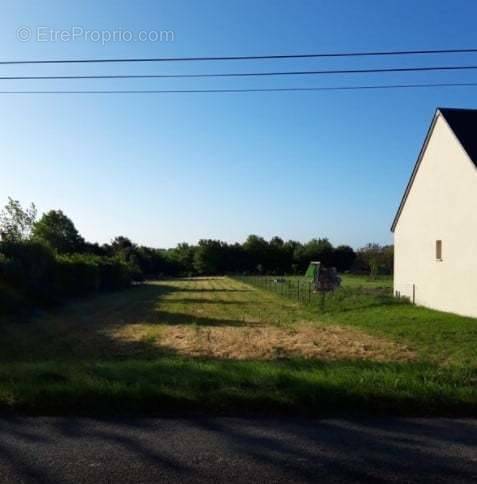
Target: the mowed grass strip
pixel 87 358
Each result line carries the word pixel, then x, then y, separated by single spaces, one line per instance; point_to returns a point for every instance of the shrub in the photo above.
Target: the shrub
pixel 81 274
pixel 28 271
pixel 77 275
pixel 31 275
pixel 114 274
pixel 10 299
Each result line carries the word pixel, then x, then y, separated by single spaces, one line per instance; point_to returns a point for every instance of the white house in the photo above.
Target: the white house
pixel 435 228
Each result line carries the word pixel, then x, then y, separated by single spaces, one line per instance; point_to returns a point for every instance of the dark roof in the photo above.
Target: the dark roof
pixel 463 122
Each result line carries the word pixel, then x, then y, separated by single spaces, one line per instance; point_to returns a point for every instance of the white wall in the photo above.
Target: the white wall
pixel 442 205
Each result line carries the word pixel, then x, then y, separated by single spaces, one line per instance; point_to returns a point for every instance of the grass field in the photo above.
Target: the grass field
pixel 351 280
pixel 219 346
pixel 354 281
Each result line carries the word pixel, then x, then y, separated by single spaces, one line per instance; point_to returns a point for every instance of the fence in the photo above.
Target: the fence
pixel 343 299
pixel 293 288
pixel 406 291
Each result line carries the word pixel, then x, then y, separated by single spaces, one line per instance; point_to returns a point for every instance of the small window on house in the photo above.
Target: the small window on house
pixel 438 249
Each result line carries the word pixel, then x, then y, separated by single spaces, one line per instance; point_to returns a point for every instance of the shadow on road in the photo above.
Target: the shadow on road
pixel 237 450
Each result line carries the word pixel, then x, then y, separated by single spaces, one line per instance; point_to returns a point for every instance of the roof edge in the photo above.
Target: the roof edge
pixel 430 130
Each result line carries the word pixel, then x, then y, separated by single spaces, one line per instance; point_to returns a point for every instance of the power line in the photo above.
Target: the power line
pixel 251 90
pixel 246 57
pixel 242 74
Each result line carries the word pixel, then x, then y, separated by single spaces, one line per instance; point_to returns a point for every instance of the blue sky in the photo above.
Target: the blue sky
pixel 165 169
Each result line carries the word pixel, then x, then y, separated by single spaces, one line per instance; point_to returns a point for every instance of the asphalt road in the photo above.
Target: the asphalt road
pixel 81 450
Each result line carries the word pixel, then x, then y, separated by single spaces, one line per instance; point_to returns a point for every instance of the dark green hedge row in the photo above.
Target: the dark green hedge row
pixel 32 275
pixel 79 274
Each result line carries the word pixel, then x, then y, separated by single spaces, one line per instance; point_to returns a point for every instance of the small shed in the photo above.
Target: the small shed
pixel 322 278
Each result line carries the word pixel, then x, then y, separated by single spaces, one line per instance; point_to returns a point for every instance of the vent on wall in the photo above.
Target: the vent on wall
pixel 439 250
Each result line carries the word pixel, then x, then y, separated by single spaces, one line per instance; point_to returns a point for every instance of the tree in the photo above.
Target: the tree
pixel 276 242
pixel 375 259
pixel 257 250
pixel 122 244
pixel 209 257
pixel 16 223
pixel 127 251
pixel 343 257
pixel 183 257
pixel 278 257
pixel 317 250
pixel 58 231
pixel 235 258
pixel 94 248
pixel 292 251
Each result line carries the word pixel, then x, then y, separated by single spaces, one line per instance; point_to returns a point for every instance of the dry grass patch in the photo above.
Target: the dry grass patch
pixel 269 342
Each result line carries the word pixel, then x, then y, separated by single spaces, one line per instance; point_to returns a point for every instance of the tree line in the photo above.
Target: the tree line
pixel 47 259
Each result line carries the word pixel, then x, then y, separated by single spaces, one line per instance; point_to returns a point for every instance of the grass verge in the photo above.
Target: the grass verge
pixel 172 385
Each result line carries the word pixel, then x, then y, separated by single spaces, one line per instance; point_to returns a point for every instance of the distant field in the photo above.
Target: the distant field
pixel 220 346
pixel 350 280
pixel 355 291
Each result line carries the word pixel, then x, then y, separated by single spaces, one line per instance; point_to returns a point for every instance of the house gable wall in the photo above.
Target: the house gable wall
pixel 441 205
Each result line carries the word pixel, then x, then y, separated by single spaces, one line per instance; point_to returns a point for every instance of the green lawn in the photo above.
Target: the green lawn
pixel 351 280
pixel 183 346
pixel 354 281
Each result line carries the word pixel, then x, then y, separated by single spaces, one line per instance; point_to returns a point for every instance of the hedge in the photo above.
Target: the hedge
pixel 32 275
pixel 79 274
